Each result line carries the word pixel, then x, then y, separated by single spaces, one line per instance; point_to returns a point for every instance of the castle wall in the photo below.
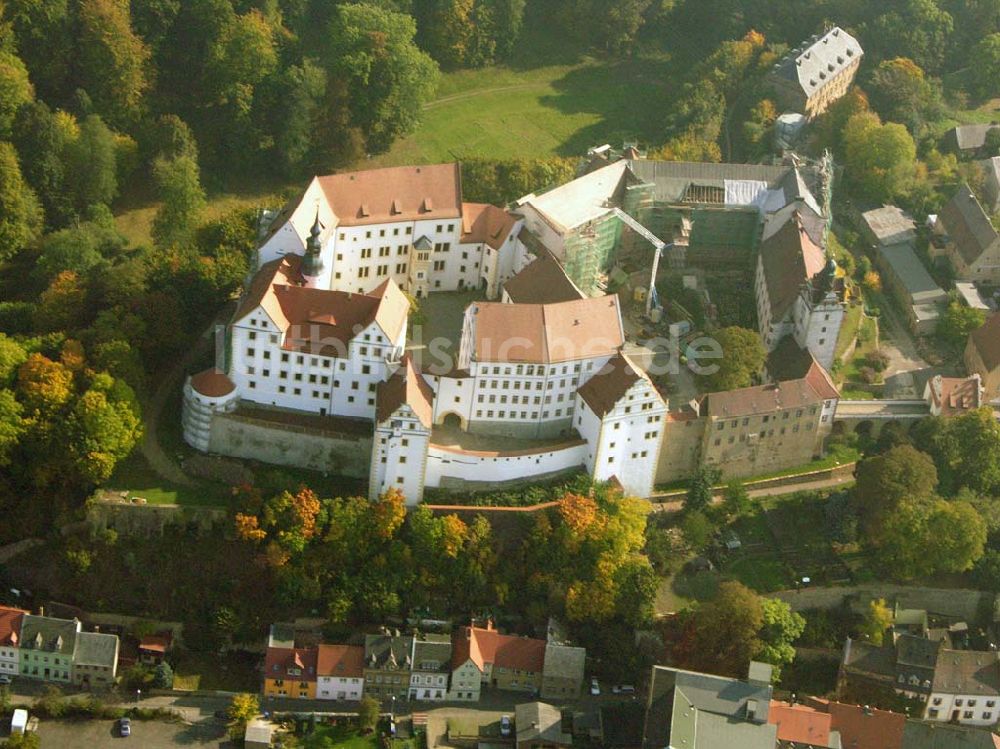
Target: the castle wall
pixel 453 468
pixel 290 445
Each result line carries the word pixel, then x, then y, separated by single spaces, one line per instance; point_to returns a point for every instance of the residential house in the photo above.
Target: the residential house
pixel 813 76
pixel 952 396
pixel 47 646
pixel 290 672
pixel 907 280
pixel 862 727
pixel 966 688
pixel 340 672
pixel 905 665
pixel 95 661
pixel 982 356
pixel 388 665
pixel 969 140
pixel 10 634
pixel 483 656
pixel 801 725
pixel 431 661
pixel 888 225
pixel 991 188
pixel 564 665
pixel 964 234
pixel 539 726
pixel 918 735
pixel 690 710
pixel 154 648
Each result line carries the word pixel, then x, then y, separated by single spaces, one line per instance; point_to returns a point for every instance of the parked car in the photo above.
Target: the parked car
pixel 623 689
pixel 505 725
pixel 595 688
pixel 124 727
pixel 4 680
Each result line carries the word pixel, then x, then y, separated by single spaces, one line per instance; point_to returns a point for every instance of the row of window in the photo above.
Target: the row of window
pixel 966 715
pixel 765 418
pixel 764 433
pixel 516 399
pixel 524 414
pixel 533 369
pixel 395 232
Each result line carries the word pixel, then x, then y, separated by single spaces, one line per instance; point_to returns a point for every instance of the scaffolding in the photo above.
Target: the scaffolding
pixel 589 251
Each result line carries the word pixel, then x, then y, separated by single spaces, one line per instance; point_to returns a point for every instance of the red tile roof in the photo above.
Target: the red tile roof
pixel 407 386
pixel 212 383
pixel 156 643
pixel 864 728
pixel 800 723
pixel 401 193
pixel 548 333
pixel 953 395
pixel 341 660
pixel 812 389
pixel 10 625
pixel 317 320
pixel 483 646
pixel 282 663
pixel 482 222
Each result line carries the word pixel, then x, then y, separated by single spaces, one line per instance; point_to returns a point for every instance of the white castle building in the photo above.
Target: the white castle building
pixel 316 371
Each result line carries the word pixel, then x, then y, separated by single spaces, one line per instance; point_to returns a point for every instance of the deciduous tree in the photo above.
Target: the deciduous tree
pixel 20 214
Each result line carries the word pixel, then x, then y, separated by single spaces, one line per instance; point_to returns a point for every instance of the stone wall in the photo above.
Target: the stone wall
pixel 467 470
pixel 341 453
pixel 960 603
pixel 132 519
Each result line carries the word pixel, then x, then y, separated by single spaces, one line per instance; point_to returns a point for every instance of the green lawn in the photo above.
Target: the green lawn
pixel 136 477
pixel 555 110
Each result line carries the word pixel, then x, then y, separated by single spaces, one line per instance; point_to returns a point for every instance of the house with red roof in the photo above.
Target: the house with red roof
pixel 340 672
pixel 10 633
pixel 482 656
pixel 290 672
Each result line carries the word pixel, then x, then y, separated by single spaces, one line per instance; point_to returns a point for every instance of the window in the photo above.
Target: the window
pixel 968 714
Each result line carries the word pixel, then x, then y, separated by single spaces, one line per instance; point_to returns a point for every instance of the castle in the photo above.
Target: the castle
pixel 551 374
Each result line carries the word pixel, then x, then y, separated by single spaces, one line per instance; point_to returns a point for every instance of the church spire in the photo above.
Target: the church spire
pixel 312 263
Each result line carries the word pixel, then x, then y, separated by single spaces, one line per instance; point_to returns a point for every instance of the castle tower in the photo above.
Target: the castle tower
pixel 312 263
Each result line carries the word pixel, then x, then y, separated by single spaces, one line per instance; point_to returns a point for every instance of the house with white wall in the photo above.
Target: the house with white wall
pixel 10 636
pixel 965 688
pixel 431 667
pixel 340 672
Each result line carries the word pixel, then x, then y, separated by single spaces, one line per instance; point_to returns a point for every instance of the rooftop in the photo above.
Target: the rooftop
pixel 967 672
pixel 10 625
pixel 542 282
pixel 800 723
pixel 986 340
pixel 347 661
pixel 290 663
pixel 815 64
pixel 48 633
pixel 967 224
pixel 547 333
pixel 890 224
pixel 954 395
pixel 320 321
pixel 388 651
pixel 789 259
pixel 96 649
pixel 486 645
pixel 864 727
pixel 810 390
pixel 610 384
pixel 540 722
pixel 406 386
pixel 906 266
pixel 969 137
pixel 212 383
pixel 933 735
pixel 485 223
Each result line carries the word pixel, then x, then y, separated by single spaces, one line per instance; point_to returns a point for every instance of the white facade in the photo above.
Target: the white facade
pixel 625 443
pixel 446 464
pixel 428 686
pixel 399 456
pixel 466 683
pixel 339 688
pixel 266 372
pixel 8 659
pixel 966 709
